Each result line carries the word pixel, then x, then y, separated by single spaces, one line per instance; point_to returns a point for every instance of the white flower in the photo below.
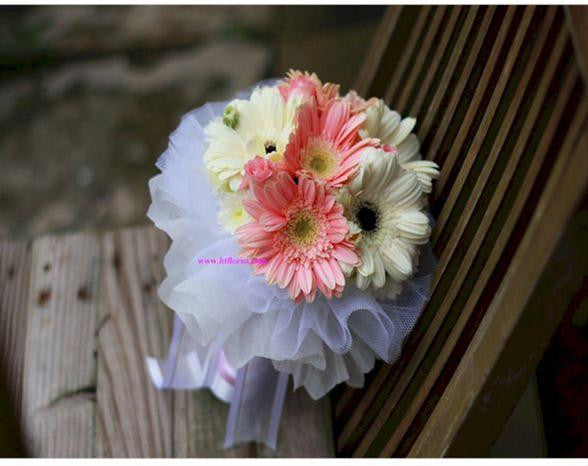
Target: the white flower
pixel 232 214
pixel 396 135
pixel 258 126
pixel 383 205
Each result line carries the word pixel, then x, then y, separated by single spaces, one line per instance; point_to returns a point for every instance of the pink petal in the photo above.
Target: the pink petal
pixel 304 277
pixel 337 272
pixel 252 207
pixel 345 254
pixel 324 274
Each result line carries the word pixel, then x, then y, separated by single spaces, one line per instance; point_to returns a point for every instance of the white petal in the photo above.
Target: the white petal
pixel 405 191
pixel 414 226
pixel 409 149
pixel 402 131
pixel 379 277
pixel 398 260
pixel 367 262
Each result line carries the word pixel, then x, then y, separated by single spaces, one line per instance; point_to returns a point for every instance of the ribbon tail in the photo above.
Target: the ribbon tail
pixel 191 366
pixel 257 404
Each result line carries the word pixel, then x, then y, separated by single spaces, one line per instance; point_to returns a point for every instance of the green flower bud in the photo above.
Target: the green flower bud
pixel 231 117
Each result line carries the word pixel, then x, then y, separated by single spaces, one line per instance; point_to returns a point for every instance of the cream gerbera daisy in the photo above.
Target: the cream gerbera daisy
pixel 258 126
pixel 396 136
pixel 231 213
pixel 383 206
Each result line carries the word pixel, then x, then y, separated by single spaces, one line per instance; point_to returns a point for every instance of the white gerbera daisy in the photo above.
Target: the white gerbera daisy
pixel 396 135
pixel 384 207
pixel 258 126
pixel 231 213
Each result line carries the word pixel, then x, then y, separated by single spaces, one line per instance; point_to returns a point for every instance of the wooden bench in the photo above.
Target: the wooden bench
pixel 501 106
pixel 78 315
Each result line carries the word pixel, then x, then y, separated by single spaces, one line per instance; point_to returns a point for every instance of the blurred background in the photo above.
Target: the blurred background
pixel 88 94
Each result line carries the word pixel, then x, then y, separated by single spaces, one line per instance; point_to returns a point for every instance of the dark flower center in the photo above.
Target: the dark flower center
pixel 367 218
pixel 270 147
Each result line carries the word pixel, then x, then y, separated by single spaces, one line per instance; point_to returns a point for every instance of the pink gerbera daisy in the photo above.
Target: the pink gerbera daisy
pixel 326 145
pixel 299 233
pixel 306 85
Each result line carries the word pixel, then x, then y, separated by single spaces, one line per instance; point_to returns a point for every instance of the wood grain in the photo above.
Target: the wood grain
pixel 306 428
pixel 59 387
pixel 79 332
pixel 442 357
pixel 377 49
pixel 497 125
pixel 14 284
pixel 403 67
pixel 496 350
pixel 134 418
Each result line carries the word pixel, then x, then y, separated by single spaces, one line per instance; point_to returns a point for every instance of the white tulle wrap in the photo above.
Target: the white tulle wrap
pixel 320 344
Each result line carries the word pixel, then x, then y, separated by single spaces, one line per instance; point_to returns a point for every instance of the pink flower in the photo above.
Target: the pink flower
pixel 301 232
pixel 326 145
pixel 306 85
pixel 357 103
pixel 257 170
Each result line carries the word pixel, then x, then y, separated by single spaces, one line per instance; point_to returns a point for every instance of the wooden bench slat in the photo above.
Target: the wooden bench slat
pixel 430 114
pixel 433 138
pixel 457 234
pixel 134 418
pixel 403 67
pixel 14 284
pixel 431 70
pixel 467 125
pixel 60 359
pixel 473 151
pixel 426 47
pixel 306 429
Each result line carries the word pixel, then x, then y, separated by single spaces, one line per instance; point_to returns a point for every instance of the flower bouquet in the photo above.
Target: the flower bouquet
pixel 300 245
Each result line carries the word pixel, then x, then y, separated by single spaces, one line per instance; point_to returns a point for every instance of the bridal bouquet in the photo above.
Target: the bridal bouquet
pixel 299 227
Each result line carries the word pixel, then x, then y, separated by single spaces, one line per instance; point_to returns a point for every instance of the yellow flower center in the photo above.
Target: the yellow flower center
pixel 319 158
pixel 302 229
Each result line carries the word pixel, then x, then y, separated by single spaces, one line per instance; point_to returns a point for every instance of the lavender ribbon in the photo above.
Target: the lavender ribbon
pixel 256 392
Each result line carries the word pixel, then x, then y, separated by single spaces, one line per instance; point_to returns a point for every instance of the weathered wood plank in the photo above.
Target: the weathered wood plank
pixel 200 420
pixel 434 139
pixel 475 108
pixel 306 430
pixel 377 49
pixel 14 283
pixel 425 47
pixel 60 359
pixel 404 65
pixel 134 419
pixel 425 86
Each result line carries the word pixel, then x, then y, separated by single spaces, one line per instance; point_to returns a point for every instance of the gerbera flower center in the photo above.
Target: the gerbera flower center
pixel 303 228
pixel 319 158
pixel 367 217
pixel 270 147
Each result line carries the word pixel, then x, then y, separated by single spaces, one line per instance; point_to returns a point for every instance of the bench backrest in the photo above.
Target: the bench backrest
pixel 501 105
